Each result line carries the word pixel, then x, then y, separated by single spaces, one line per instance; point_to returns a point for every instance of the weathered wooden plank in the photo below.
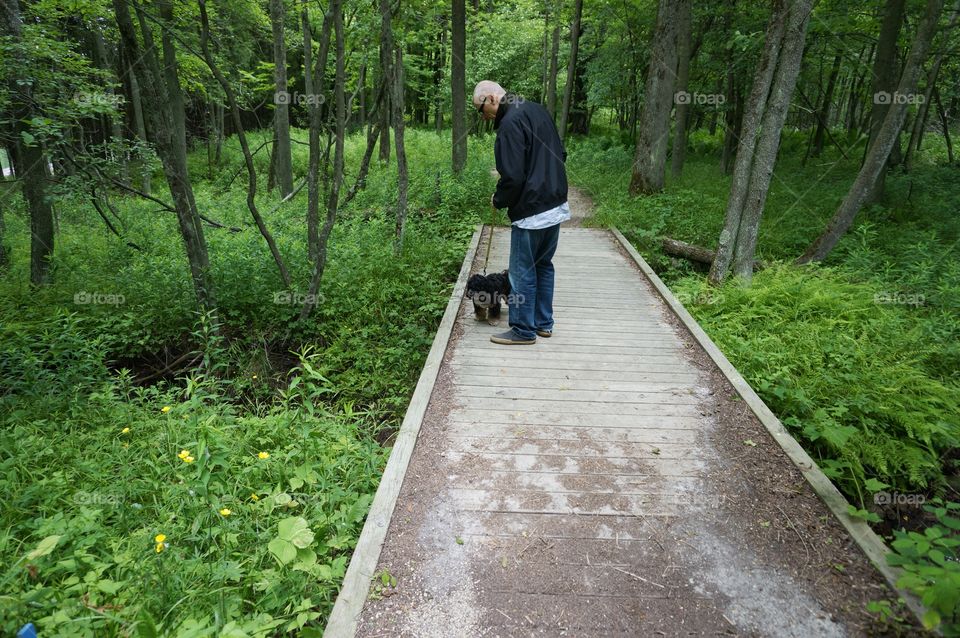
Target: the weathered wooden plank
pixel 486 367
pixel 356 583
pixel 677 430
pixel 522 381
pixel 612 397
pixel 596 409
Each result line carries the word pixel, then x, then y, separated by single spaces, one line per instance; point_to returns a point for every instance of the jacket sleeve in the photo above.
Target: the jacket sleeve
pixel 510 153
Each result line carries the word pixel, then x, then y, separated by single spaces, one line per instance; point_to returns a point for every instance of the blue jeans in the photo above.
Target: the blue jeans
pixel 531 279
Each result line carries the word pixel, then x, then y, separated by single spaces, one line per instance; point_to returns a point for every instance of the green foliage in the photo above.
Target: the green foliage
pixel 931 567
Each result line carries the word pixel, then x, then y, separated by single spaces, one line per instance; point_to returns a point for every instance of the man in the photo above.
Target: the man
pixel 533 188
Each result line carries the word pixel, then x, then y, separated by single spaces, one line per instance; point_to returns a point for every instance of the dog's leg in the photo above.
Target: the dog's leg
pixel 479 312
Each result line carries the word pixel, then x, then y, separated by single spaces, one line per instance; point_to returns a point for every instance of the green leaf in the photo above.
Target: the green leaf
pixel 283 550
pixel 931 619
pixel 873 485
pixel 45 547
pixel 295 530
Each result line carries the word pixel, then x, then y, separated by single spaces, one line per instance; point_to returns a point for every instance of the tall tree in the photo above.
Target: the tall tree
pixel 883 142
pixel 551 98
pixel 386 51
pixel 164 111
pixel 281 115
pixel 458 84
pixel 773 86
pixel 885 77
pixel 312 80
pixel 402 177
pixel 571 68
pixel 333 196
pixel 684 49
pixel 28 157
pixel 244 145
pixel 823 114
pixel 649 160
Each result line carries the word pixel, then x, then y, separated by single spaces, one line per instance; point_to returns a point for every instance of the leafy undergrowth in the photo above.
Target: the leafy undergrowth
pixel 233 512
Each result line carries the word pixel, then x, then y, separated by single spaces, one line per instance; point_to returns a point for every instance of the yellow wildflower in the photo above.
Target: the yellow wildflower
pixel 225 512
pixel 125 431
pixel 165 409
pixel 159 538
pixel 263 455
pixel 160 547
pixel 254 497
pixel 188 459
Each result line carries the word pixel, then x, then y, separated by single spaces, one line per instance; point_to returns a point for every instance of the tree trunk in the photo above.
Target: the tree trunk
pixel 944 124
pixel 333 197
pixel 140 128
pixel 402 178
pixel 883 142
pixel 683 74
pixel 920 123
pixel 769 101
pixel 649 163
pixel 244 146
pixel 29 159
pixel 823 116
pixel 281 118
pixel 552 77
pixel 313 87
pixel 458 90
pixel 885 76
pixel 386 51
pixel 163 109
pixel 571 68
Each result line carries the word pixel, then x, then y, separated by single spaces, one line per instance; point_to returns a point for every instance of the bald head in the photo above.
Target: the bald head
pixel 486 97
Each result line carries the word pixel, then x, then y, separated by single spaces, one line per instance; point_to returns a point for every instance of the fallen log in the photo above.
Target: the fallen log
pixel 694 253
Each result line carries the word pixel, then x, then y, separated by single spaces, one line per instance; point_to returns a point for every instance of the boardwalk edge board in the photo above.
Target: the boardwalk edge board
pixel 868 540
pixel 356 583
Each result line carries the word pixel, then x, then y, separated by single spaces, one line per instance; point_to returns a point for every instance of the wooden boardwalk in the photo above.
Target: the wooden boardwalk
pixel 607 481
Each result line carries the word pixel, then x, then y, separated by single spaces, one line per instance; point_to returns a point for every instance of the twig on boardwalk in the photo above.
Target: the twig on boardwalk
pixel 640 578
pixel 505 616
pixel 794 528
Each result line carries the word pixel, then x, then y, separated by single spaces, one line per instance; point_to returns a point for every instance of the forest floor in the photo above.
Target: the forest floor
pixel 652 502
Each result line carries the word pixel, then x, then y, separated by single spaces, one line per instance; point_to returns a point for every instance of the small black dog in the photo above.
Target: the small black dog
pixel 486 292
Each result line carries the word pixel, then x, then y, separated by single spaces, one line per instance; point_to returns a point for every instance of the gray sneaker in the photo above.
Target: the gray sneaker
pixel 511 338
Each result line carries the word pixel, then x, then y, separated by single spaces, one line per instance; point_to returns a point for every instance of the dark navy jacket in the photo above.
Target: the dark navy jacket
pixel 530 159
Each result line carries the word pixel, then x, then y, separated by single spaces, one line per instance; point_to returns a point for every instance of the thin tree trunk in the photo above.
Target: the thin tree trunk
pixel 333 197
pixel 883 142
pixel 386 51
pixel 312 87
pixel 784 84
pixel 649 162
pixel 682 113
pixel 944 124
pixel 242 138
pixel 281 118
pixel 571 68
pixel 29 158
pixel 163 108
pixel 458 84
pixel 402 178
pixel 885 76
pixel 823 116
pixel 552 77
pixel 751 134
